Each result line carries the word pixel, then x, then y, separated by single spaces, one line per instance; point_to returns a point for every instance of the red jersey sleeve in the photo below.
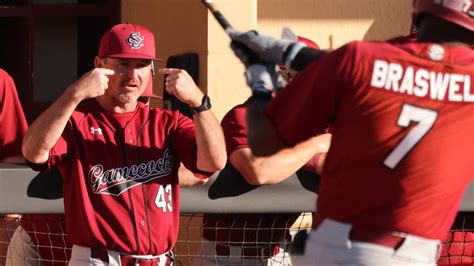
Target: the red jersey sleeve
pixel 12 118
pixel 316 90
pixel 234 125
pixel 63 147
pixel 60 151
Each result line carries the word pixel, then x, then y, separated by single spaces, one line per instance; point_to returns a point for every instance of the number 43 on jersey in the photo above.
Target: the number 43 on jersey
pixel 164 198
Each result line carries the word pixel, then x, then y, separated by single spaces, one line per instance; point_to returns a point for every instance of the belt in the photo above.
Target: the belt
pixel 132 261
pixel 247 252
pixel 379 237
pixel 370 235
pixel 129 260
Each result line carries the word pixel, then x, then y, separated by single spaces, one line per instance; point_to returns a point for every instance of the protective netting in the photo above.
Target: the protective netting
pixel 41 239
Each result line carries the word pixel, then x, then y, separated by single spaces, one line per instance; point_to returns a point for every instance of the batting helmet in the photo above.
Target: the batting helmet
pixel 308 42
pixel 288 75
pixel 459 12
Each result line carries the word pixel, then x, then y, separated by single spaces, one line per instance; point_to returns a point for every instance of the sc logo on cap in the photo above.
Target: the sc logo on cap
pixel 135 40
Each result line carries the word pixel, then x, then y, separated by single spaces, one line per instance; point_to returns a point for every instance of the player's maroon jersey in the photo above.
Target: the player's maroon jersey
pixel 402 148
pixel 229 228
pixel 12 119
pixel 121 185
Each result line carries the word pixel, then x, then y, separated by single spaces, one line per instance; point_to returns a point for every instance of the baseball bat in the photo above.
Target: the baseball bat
pixel 251 56
pixel 218 15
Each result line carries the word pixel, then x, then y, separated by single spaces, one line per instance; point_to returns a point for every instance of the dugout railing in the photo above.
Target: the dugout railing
pixel 226 192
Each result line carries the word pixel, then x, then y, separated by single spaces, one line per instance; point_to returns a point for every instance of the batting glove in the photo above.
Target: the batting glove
pixel 262 79
pixel 244 54
pixel 267 49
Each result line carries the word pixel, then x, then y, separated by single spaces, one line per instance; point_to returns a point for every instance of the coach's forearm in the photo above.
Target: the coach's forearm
pixel 211 152
pixel 47 128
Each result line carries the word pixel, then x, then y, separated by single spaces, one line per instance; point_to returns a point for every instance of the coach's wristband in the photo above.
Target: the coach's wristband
pixel 205 105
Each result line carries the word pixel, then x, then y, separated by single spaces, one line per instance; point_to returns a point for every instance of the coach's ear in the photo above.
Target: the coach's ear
pixel 98 61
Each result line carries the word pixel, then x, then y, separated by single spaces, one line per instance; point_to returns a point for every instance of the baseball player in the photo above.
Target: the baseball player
pixel 402 146
pixel 11 118
pixel 119 158
pixel 257 239
pixel 455 247
pixel 40 238
pixel 13 128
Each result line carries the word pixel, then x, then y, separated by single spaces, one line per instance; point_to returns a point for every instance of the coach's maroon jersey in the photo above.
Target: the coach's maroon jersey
pixel 121 185
pixel 403 147
pixel 12 119
pixel 239 229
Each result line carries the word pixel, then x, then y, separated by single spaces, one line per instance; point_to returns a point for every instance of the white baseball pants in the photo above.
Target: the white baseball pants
pixel 330 245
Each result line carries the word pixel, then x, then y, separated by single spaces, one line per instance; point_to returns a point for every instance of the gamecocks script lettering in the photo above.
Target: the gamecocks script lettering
pixel 117 180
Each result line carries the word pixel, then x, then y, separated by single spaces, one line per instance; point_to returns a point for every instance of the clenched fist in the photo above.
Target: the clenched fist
pixel 180 84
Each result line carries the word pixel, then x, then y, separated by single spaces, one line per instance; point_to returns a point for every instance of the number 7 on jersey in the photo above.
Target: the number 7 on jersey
pixel 425 118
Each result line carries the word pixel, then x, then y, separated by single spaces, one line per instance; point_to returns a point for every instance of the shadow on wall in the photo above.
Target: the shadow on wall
pixel 389 18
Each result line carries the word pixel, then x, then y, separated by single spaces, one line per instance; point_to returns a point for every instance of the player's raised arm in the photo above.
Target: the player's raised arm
pixel 211 155
pixel 46 130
